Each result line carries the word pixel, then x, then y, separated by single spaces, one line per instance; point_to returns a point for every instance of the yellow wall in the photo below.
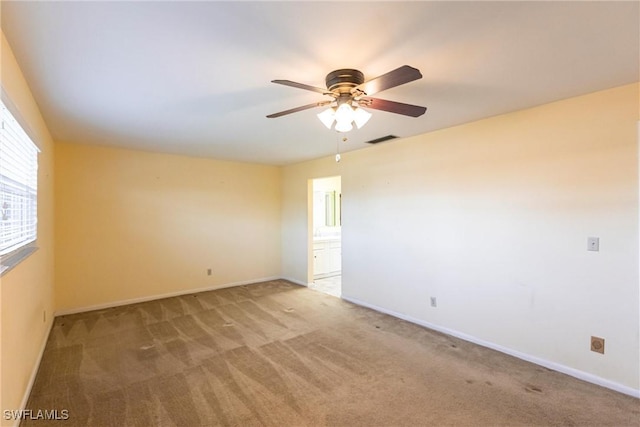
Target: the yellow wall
pixel 27 290
pixel 492 219
pixel 133 225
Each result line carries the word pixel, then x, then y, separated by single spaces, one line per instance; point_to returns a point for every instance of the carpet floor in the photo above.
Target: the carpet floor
pixel 277 354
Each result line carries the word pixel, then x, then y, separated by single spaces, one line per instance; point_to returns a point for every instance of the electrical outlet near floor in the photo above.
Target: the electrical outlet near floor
pixel 597 345
pixel 434 301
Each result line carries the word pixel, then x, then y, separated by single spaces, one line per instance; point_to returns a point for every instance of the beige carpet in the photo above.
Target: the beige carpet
pixel 277 354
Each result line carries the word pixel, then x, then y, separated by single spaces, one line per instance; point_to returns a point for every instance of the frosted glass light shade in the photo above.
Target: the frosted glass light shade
pixel 327 117
pixel 343 126
pixel 344 113
pixel 344 118
pixel 361 117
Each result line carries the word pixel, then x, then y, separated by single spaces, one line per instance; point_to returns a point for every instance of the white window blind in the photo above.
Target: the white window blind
pixel 18 185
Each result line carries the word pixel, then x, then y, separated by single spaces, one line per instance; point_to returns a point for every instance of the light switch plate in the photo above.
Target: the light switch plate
pixel 593 244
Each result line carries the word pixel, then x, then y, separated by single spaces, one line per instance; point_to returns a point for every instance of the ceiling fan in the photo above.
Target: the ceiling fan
pixel 349 91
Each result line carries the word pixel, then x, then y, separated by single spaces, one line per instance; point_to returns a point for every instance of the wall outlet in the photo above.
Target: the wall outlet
pixel 593 244
pixel 208 272
pixel 597 345
pixel 433 301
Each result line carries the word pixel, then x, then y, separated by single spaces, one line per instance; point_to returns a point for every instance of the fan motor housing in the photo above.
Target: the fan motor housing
pixel 343 80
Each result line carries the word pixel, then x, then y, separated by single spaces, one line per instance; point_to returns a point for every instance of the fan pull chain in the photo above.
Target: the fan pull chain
pixel 344 139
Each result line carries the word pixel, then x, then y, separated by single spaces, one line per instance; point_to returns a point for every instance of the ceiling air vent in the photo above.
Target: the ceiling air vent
pixel 382 139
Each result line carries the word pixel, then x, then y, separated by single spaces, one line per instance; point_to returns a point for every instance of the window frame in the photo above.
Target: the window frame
pixel 11 259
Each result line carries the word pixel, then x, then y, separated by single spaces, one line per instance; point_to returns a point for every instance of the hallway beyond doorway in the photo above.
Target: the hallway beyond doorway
pixel 325 229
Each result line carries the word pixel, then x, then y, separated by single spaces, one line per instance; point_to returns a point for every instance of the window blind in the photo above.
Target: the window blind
pixel 18 185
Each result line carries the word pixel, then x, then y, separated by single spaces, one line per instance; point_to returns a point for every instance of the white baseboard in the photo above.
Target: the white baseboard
pixel 295 281
pixel 581 375
pixel 34 373
pixel 160 296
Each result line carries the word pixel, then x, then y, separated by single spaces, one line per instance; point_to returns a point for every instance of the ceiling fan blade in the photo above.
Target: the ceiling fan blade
pixel 302 108
pixel 397 77
pixel 302 86
pixel 392 107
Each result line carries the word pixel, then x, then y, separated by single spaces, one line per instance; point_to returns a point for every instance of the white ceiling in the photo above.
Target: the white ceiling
pixel 194 77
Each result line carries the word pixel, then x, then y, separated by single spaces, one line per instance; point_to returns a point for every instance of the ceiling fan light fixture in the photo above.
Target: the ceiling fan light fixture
pixel 327 117
pixel 344 117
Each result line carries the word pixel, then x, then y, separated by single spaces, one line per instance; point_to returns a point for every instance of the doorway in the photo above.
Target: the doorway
pixel 326 229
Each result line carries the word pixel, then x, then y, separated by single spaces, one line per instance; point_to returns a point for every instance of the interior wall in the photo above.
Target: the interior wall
pixel 26 291
pixel 491 218
pixel 297 205
pixel 330 183
pixel 134 225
